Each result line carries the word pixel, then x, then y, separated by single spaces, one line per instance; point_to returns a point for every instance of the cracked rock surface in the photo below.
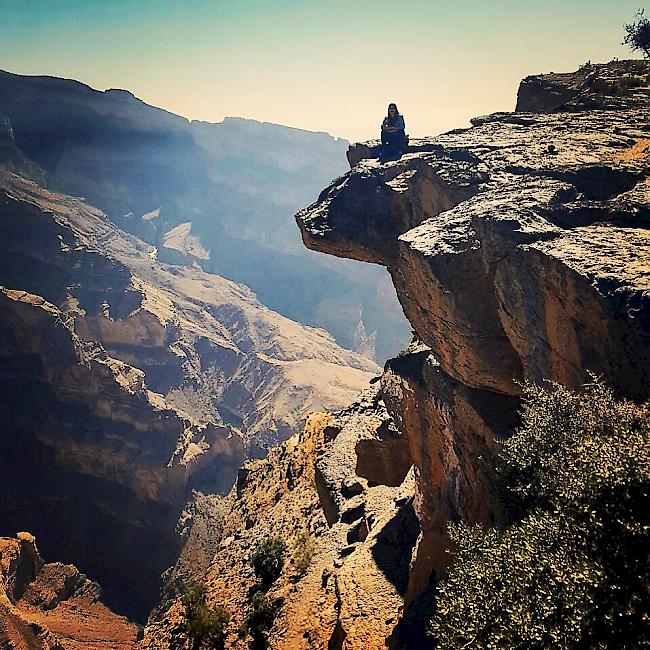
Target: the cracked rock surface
pixel 520 250
pixel 347 590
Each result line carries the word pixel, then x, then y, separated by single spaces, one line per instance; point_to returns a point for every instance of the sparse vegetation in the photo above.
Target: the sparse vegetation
pixel 637 33
pixel 260 618
pixel 632 82
pixel 268 560
pixel 206 626
pixel 303 551
pixel 573 572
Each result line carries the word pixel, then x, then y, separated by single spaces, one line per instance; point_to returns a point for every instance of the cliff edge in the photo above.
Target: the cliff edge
pixel 520 250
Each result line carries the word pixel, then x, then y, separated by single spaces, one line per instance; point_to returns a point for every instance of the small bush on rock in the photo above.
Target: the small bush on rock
pixel 303 551
pixel 573 573
pixel 260 618
pixel 205 626
pixel 268 560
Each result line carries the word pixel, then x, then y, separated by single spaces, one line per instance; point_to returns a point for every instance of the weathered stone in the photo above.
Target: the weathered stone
pixel 461 264
pixel 53 606
pixel 127 384
pixel 593 86
pixel 538 271
pixel 354 578
pixel 452 432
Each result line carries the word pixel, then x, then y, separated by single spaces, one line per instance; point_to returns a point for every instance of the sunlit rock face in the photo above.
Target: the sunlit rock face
pixel 348 590
pixel 53 606
pixel 519 249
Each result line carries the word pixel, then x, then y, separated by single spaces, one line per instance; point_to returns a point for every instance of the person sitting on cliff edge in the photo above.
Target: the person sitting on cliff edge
pixel 393 138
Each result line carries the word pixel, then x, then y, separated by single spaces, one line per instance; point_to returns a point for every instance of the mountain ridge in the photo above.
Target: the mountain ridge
pixel 237 183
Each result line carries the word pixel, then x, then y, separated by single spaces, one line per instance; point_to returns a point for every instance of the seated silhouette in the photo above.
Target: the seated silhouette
pixel 393 138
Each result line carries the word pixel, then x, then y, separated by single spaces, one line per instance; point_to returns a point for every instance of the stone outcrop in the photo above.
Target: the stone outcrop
pixel 93 460
pixel 53 606
pixel 520 250
pixel 348 542
pixel 610 86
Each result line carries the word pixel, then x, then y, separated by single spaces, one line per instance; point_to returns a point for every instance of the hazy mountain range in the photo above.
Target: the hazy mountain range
pixel 218 195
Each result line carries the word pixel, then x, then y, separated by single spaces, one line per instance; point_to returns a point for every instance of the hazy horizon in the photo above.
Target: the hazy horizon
pixel 320 68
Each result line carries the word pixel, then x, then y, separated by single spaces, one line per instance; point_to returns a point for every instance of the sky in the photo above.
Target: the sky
pixel 320 65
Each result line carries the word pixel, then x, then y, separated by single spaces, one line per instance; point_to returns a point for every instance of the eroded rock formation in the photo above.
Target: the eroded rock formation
pixel 520 250
pixel 126 384
pixel 53 606
pixel 220 196
pixel 348 543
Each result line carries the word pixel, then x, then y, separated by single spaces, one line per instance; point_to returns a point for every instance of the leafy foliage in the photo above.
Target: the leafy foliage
pixel 637 33
pixel 260 618
pixel 573 573
pixel 268 560
pixel 205 626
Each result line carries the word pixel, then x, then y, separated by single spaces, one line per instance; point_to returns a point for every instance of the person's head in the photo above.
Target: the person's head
pixel 392 110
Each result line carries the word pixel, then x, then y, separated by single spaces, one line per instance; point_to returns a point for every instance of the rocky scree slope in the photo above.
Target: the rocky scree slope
pixel 348 542
pixel 220 196
pixel 520 250
pixel 53 606
pixel 127 384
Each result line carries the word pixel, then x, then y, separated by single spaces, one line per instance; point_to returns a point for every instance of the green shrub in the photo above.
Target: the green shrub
pixel 632 82
pixel 637 33
pixel 573 572
pixel 205 626
pixel 261 616
pixel 268 560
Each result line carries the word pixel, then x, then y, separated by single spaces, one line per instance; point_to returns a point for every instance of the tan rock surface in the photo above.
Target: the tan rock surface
pixel 128 383
pixel 537 268
pixel 204 342
pixel 351 593
pixel 53 606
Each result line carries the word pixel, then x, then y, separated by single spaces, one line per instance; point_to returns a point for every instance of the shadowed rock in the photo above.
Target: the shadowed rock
pixel 519 249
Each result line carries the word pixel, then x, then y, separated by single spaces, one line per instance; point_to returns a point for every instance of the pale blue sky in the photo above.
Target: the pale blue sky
pixel 326 66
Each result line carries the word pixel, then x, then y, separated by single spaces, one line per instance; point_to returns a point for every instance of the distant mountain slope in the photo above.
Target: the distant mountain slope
pixel 127 383
pixel 234 185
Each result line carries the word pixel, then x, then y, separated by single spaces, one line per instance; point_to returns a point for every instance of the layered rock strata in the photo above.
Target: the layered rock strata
pixel 53 606
pixel 127 385
pixel 219 196
pixel 348 542
pixel 520 250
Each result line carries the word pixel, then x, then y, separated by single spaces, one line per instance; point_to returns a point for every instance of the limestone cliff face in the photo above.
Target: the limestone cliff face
pixel 520 250
pixel 93 460
pixel 220 196
pixel 53 606
pixel 610 86
pixel 127 384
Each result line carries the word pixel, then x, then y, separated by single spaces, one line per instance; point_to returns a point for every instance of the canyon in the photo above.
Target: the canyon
pixel 130 386
pixel 218 196
pixel 518 249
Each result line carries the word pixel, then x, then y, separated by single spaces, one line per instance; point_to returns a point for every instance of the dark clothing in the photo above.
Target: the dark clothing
pixel 397 122
pixel 393 143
